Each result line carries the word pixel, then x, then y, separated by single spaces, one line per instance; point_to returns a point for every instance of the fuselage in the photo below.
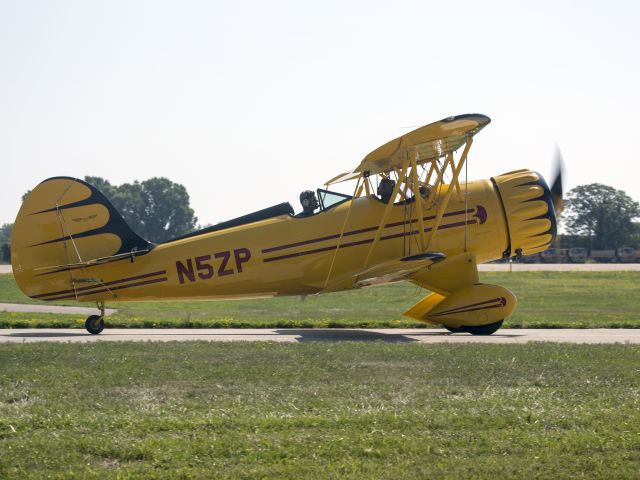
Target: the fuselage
pixel 289 255
pixel 285 255
pixel 70 243
pixel 293 255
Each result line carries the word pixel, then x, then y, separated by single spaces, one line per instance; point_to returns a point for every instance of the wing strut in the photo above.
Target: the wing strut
pixel 450 188
pixel 66 233
pixel 418 197
pixel 387 211
pixel 356 193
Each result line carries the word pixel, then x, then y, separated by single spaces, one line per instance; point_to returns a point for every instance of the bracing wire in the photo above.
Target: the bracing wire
pixel 466 201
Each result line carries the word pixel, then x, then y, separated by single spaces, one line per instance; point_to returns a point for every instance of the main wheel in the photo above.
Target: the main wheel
pixel 484 329
pixel 94 324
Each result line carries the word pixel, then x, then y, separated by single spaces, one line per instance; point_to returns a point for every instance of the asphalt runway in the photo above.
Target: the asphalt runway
pixel 505 336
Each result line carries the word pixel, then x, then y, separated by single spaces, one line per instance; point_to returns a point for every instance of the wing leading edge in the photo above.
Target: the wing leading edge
pixel 429 142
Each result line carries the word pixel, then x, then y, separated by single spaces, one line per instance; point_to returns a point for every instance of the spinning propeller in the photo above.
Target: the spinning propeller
pixel 556 186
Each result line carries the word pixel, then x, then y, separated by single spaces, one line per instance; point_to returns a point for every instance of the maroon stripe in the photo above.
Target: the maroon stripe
pixel 138 284
pixel 361 242
pixel 319 239
pixel 403 234
pixel 318 250
pixel 303 242
pixel 355 232
pixel 453 225
pixel 430 217
pixel 466 311
pixel 427 230
pixel 299 254
pixel 452 310
pixel 112 282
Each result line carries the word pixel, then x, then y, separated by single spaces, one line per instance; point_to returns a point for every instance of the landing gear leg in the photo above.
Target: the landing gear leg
pixel 95 323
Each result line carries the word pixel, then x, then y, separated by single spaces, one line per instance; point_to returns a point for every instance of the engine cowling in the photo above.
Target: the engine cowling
pixel 529 212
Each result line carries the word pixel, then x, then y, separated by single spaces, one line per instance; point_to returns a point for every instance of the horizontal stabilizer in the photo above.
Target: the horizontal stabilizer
pixel 95 261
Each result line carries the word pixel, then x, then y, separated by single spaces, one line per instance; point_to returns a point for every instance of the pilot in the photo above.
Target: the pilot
pixel 385 189
pixel 309 203
pixel 425 190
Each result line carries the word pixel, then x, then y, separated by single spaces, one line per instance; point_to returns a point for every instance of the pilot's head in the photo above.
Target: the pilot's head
pixel 385 189
pixel 308 201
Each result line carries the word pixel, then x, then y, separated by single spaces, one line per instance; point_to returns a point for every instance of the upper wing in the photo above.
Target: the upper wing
pixel 429 142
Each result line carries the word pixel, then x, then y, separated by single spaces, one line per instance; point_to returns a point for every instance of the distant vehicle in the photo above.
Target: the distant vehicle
pixel 603 256
pixel 554 255
pixel 582 255
pixel 577 255
pixel 622 255
pixel 625 254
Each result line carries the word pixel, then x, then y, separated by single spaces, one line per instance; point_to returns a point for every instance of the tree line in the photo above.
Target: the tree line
pixel 156 209
pixel 597 217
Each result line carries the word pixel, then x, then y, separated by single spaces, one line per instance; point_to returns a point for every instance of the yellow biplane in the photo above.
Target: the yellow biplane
pixel 412 216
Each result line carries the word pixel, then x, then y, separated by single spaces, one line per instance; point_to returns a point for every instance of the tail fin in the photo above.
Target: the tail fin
pixel 63 225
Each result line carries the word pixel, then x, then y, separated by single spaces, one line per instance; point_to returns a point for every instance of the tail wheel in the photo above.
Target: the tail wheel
pixel 94 324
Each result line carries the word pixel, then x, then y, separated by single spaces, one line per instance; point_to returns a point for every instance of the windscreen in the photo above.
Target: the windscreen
pixel 331 199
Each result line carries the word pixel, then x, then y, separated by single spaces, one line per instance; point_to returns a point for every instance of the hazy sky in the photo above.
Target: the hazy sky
pixel 248 103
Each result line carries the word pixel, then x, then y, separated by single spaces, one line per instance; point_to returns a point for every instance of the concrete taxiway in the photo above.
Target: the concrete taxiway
pixel 44 308
pixel 559 267
pixel 508 336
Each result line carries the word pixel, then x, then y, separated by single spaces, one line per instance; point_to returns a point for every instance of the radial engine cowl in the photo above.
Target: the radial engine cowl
pixel 529 212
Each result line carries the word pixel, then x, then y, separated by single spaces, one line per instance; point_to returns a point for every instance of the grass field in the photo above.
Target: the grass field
pixel 321 410
pixel 546 299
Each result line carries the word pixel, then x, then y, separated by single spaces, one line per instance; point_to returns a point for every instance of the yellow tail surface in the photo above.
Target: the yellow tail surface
pixel 64 224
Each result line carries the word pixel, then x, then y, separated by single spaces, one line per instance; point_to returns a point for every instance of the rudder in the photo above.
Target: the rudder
pixel 64 223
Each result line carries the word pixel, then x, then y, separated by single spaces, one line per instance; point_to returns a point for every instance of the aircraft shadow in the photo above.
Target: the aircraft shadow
pixel 344 335
pixel 304 335
pixel 453 335
pixel 348 335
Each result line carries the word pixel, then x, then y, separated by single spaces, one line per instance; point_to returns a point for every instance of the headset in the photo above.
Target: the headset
pixel 308 200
